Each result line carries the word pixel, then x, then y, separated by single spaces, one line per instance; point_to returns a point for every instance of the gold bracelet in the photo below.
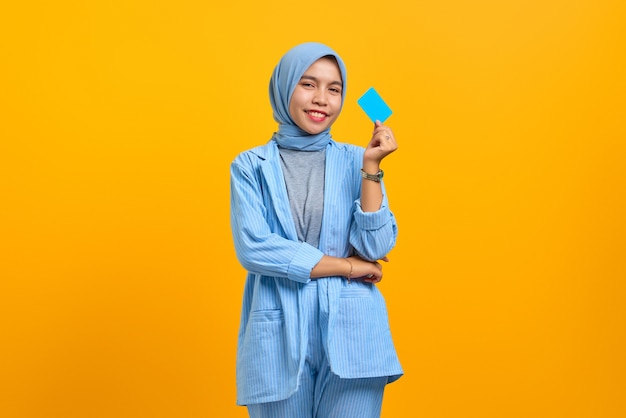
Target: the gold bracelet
pixel 349 274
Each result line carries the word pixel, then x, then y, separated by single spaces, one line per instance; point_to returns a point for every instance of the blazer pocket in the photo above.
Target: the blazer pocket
pixel 266 315
pixel 263 359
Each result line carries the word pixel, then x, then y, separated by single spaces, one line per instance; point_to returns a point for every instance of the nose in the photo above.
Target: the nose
pixel 320 97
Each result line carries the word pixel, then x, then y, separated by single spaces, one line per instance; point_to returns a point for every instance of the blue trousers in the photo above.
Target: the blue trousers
pixel 323 394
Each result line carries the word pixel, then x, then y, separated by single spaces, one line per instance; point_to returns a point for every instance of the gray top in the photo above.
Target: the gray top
pixel 304 178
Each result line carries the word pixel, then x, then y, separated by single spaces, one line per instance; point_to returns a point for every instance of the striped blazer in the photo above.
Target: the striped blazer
pixel 271 348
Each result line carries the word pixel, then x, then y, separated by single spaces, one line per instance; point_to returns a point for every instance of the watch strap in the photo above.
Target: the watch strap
pixel 374 177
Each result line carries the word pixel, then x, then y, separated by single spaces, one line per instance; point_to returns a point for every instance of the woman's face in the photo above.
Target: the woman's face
pixel 316 100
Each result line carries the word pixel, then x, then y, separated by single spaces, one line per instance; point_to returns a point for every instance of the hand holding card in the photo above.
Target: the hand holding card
pixel 374 106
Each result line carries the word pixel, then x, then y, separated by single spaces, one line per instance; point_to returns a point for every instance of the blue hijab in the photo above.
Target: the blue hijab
pixel 284 80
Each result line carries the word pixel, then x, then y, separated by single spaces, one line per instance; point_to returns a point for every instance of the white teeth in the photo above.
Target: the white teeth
pixel 317 114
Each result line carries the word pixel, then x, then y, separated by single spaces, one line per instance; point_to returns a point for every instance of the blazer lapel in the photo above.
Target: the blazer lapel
pixel 338 165
pixel 273 174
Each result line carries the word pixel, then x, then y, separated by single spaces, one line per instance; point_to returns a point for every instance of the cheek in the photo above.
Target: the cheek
pixel 338 106
pixel 294 104
pixel 292 110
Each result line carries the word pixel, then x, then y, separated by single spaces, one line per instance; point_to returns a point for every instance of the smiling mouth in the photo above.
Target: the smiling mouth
pixel 317 115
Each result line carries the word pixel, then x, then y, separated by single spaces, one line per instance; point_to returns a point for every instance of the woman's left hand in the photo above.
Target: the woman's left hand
pixel 383 143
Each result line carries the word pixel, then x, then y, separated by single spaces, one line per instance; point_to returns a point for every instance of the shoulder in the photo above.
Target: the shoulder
pixel 256 155
pixel 346 147
pixel 346 150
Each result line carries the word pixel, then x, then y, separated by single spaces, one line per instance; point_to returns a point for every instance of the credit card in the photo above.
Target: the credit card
pixel 374 106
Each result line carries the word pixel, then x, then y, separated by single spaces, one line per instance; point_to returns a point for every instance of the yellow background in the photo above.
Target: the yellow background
pixel 120 291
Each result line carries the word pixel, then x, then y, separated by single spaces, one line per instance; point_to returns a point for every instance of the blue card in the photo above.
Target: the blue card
pixel 374 106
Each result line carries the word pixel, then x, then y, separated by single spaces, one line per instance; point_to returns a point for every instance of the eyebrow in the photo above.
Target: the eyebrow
pixel 310 77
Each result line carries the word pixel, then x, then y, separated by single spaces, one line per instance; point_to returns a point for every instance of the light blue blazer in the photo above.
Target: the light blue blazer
pixel 272 343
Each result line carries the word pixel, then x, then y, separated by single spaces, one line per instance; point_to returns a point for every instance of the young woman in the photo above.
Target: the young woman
pixel 310 220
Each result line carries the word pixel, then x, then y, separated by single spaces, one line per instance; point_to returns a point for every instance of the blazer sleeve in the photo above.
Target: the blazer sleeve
pixel 373 234
pixel 259 249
